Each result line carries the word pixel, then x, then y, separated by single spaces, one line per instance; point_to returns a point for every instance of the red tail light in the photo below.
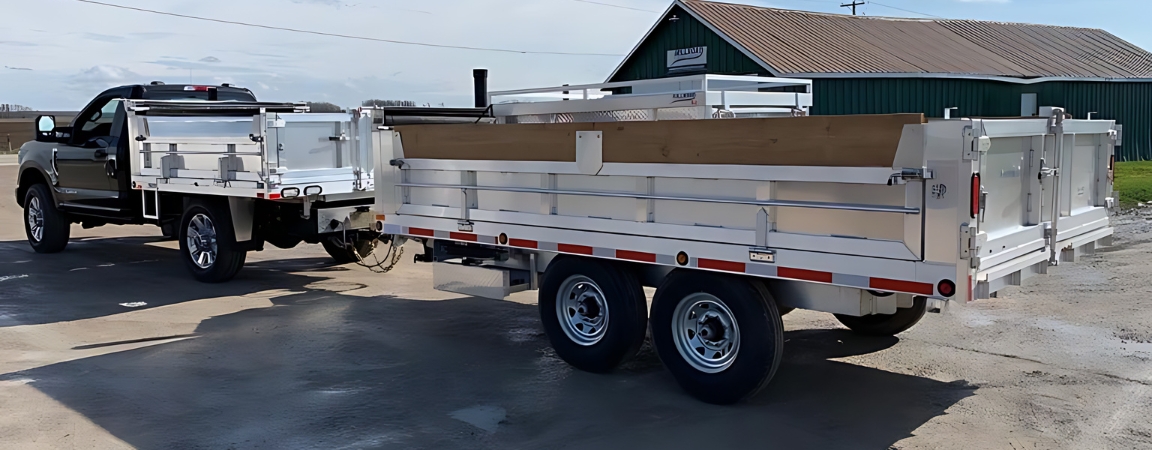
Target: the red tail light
pixel 975 195
pixel 196 88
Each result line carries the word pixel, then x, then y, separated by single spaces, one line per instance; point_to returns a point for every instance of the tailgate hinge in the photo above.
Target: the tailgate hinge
pixel 975 145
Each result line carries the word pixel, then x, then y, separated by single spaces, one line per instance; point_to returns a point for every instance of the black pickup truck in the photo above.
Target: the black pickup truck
pixel 80 174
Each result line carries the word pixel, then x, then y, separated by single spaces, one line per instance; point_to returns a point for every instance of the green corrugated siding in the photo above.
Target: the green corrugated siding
pixel 1130 104
pixel 651 59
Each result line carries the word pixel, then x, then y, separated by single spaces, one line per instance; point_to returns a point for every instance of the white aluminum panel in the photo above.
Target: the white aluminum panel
pixel 476 281
pixel 1003 180
pixel 513 201
pixel 303 145
pixel 602 207
pixel 709 214
pixel 869 225
pixel 445 197
pixel 1097 127
pixel 1083 173
pixel 1002 128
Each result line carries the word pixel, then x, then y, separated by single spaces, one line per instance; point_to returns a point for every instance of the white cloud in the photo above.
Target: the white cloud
pixel 105 73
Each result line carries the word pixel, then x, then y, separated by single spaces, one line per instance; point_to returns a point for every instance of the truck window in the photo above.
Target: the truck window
pixel 98 123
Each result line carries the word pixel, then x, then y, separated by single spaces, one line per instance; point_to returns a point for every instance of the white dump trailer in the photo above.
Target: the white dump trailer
pixel 589 193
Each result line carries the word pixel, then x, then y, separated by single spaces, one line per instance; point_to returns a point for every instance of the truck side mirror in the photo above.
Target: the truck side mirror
pixel 46 128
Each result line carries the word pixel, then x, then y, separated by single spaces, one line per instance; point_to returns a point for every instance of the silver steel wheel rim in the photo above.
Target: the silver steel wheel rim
pixel 582 310
pixel 35 219
pixel 202 241
pixel 706 333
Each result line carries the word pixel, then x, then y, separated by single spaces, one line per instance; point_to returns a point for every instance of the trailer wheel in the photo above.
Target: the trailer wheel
pixel 47 228
pixel 720 336
pixel 887 324
pixel 208 243
pixel 595 314
pixel 344 253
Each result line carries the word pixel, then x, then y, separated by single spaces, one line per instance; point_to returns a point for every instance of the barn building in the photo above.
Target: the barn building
pixel 874 65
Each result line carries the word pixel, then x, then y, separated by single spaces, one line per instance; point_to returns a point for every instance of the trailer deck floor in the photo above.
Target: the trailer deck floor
pixel 299 353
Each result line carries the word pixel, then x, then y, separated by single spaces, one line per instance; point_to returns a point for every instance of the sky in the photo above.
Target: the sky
pixel 58 54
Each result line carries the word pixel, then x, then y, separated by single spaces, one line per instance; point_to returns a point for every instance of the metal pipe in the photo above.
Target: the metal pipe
pixel 169 152
pixel 480 81
pixel 781 203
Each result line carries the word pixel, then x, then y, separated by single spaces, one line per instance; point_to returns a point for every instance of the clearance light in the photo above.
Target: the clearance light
pixel 946 288
pixel 975 195
pixel 503 239
pixel 682 259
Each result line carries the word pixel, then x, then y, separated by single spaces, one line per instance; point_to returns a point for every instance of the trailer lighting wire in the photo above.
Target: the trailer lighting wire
pixel 345 36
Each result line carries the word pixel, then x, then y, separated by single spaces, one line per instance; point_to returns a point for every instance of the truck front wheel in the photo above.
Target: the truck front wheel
pixel 47 228
pixel 208 243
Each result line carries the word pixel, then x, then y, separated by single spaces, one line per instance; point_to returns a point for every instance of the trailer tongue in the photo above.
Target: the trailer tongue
pixel 588 196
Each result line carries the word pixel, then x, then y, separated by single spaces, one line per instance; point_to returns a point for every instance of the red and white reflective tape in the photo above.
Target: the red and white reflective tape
pixel 749 268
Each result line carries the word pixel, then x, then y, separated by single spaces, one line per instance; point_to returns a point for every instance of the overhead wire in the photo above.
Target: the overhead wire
pixel 616 6
pixel 906 10
pixel 345 36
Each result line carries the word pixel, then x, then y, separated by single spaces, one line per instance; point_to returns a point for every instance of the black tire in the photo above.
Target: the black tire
pixel 229 259
pixel 887 324
pixel 54 227
pixel 626 317
pixel 742 368
pixel 344 254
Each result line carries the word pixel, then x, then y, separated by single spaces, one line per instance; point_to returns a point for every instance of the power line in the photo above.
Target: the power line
pixel 345 36
pixel 907 10
pixel 616 6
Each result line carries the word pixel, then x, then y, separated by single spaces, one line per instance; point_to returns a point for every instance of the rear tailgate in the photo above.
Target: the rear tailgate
pixel 1023 164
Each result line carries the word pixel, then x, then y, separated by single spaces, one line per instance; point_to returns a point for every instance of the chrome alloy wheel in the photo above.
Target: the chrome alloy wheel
pixel 706 333
pixel 582 310
pixel 35 213
pixel 202 241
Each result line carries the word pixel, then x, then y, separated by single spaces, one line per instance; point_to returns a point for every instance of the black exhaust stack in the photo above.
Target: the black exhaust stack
pixel 480 78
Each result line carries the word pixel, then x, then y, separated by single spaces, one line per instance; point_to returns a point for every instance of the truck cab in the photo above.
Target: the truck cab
pixel 80 164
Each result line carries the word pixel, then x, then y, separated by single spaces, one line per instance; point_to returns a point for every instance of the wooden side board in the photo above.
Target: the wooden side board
pixel 847 141
pixel 514 142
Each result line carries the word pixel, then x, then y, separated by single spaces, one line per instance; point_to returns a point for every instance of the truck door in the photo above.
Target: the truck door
pixel 82 164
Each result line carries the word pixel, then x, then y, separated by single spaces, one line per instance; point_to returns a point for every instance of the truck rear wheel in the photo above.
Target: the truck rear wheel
pixel 720 336
pixel 887 324
pixel 208 243
pixel 47 228
pixel 346 252
pixel 595 314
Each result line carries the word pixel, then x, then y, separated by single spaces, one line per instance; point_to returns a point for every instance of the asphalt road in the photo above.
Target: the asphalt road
pixel 111 345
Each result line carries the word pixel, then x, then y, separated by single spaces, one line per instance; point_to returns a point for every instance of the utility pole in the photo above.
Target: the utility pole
pixel 852 5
